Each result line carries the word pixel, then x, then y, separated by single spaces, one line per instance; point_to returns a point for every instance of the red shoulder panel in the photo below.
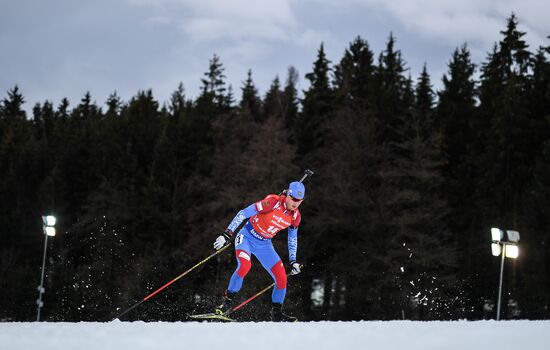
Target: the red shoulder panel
pixel 267 204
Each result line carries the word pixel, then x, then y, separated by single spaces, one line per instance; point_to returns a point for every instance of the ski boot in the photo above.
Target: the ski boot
pixel 226 304
pixel 277 314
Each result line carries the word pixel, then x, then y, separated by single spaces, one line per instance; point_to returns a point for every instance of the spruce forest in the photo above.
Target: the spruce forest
pixel 396 221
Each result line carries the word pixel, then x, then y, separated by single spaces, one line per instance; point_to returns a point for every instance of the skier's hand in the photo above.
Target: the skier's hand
pixel 296 268
pixel 222 240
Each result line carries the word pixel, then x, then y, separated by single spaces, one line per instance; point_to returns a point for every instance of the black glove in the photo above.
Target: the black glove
pixel 223 239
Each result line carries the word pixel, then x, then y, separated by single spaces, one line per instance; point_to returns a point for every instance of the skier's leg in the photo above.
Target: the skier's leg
pixel 272 263
pixel 278 273
pixel 242 253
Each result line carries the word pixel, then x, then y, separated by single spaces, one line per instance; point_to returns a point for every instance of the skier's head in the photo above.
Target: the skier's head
pixel 295 195
pixel 296 190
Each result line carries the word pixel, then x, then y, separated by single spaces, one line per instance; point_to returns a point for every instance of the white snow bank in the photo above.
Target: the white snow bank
pixel 463 335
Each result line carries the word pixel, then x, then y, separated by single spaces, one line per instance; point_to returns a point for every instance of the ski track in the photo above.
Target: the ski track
pixel 409 335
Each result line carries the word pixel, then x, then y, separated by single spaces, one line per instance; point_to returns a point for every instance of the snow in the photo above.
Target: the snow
pixel 409 335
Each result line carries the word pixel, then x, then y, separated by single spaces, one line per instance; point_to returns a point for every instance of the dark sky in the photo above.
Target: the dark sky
pixel 63 48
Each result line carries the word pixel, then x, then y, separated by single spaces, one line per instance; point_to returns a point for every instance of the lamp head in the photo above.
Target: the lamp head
pixel 496 249
pixel 512 251
pixel 497 234
pixel 49 220
pixel 513 236
pixel 49 230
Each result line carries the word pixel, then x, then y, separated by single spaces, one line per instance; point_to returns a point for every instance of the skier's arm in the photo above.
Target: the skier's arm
pixel 223 239
pixel 292 243
pixel 292 248
pixel 263 206
pixel 246 213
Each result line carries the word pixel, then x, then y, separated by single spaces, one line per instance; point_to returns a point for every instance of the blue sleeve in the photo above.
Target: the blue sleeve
pixel 292 243
pixel 241 216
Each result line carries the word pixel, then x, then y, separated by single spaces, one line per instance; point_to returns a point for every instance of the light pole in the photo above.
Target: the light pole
pixel 49 230
pixel 505 248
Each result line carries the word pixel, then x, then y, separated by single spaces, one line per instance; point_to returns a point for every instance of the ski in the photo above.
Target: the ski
pixel 211 316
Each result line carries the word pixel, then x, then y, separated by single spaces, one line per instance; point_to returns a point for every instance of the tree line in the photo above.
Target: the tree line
pixel 396 224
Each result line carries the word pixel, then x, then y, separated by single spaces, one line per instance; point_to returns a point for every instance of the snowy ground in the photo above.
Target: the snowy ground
pixel 463 335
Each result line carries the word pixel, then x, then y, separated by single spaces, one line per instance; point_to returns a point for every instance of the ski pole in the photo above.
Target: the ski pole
pixel 172 281
pixel 254 296
pixel 250 299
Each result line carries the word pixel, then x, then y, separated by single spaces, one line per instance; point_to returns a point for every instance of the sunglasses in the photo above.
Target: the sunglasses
pixel 296 200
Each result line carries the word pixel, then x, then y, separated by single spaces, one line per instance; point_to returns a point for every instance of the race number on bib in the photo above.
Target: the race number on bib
pixel 238 239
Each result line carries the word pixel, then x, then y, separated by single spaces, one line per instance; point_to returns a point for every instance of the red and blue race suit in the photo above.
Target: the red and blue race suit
pixel 266 218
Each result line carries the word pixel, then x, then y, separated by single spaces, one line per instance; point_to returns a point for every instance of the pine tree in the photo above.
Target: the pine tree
pixel 391 90
pixel 86 109
pixel 23 163
pixel 169 172
pixel 214 87
pixel 177 102
pixel 46 119
pixel 316 105
pixel 424 95
pixel 11 107
pixel 540 108
pixel 273 101
pixel 353 75
pixel 456 107
pixel 63 109
pixel 213 102
pixel 229 98
pixel 508 145
pixel 250 100
pixel 142 118
pixel 535 237
pixel 505 107
pixel 290 105
pixel 114 106
pixel 456 115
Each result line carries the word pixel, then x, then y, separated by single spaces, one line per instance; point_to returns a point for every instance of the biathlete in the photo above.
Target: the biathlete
pixel 266 218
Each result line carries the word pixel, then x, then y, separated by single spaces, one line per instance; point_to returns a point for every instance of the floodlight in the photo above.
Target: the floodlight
pixel 513 236
pixel 49 230
pixel 512 251
pixel 497 234
pixel 48 227
pixel 496 249
pixel 49 220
